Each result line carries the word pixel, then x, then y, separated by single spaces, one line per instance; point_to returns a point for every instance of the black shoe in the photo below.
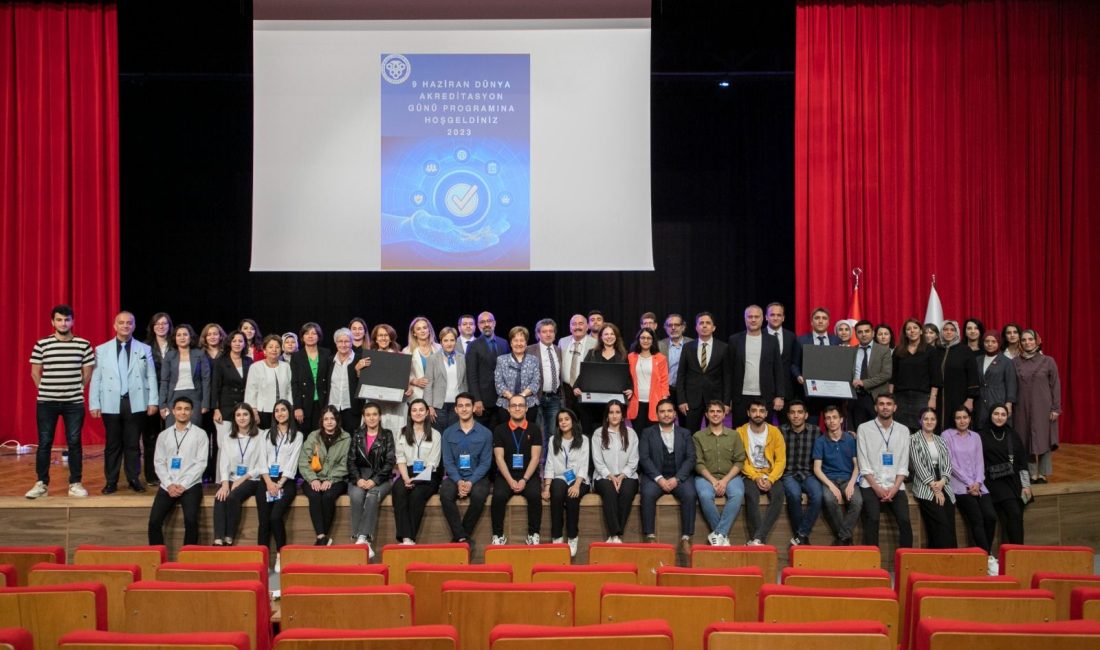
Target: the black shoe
pixel 803 540
pixel 110 488
pixel 153 483
pixel 136 486
pixel 321 541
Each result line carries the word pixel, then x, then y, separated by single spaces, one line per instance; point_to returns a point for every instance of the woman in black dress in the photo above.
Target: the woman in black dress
pixel 915 381
pixel 1006 475
pixel 958 371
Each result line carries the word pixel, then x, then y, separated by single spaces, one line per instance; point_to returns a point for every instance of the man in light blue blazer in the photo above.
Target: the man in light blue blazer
pixel 124 392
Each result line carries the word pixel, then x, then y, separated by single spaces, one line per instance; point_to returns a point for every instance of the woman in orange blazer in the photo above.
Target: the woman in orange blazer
pixel 649 372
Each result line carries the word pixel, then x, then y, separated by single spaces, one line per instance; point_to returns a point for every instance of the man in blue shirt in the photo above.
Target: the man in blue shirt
pixel 467 455
pixel 835 466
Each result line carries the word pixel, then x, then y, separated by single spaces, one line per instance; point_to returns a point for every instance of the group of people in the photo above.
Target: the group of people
pixel 256 414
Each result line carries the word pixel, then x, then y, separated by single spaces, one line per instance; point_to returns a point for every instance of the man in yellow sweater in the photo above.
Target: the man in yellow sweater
pixel 766 459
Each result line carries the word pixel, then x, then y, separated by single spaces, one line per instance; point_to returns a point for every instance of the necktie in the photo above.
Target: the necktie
pixel 123 372
pixel 466 346
pixel 863 364
pixel 821 340
pixel 553 370
pixel 451 359
pixel 779 340
pixel 575 366
pixel 703 359
pixel 493 346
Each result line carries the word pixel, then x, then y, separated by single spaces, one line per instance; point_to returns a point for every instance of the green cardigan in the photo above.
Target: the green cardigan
pixel 334 460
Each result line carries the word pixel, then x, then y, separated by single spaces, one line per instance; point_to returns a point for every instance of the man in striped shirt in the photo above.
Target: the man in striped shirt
pixel 61 366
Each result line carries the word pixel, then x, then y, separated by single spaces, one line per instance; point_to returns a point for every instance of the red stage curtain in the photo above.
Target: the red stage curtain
pixel 59 180
pixel 953 138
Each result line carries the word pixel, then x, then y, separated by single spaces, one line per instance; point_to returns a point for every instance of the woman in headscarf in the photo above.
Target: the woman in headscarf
pixel 1040 403
pixel 1006 474
pixel 958 372
pixel 997 377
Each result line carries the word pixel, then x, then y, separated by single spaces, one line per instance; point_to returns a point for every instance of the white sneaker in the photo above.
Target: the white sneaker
pixel 77 490
pixel 754 542
pixel 370 551
pixel 361 540
pixel 558 540
pixel 278 563
pixel 714 539
pixel 993 566
pixel 725 541
pixel 610 540
pixel 533 539
pixel 499 540
pixel 408 541
pixel 573 547
pixel 40 489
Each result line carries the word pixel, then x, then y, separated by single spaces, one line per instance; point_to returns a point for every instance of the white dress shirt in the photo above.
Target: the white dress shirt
pixel 614 460
pixel 191 445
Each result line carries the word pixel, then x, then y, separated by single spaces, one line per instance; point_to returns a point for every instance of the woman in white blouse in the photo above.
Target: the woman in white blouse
pixel 282 448
pixel 418 451
pixel 565 477
pixel 268 381
pixel 615 456
pixel 240 465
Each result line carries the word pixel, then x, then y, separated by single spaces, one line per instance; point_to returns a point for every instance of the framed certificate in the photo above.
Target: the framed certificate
pixel 386 378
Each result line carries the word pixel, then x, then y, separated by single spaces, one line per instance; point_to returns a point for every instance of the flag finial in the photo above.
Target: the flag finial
pixel 856 272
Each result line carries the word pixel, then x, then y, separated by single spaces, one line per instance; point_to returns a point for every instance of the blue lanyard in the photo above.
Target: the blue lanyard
pixel 280 439
pixel 565 453
pixel 244 450
pixel 518 440
pixel 885 439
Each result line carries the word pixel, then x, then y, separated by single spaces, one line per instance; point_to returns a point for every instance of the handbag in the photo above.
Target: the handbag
pixel 315 462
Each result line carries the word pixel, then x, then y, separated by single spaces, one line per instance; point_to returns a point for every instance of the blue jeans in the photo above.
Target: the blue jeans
pixel 549 406
pixel 802 520
pixel 72 414
pixel 735 496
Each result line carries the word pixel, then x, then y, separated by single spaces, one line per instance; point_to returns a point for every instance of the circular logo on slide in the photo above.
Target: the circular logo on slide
pixel 463 197
pixel 396 69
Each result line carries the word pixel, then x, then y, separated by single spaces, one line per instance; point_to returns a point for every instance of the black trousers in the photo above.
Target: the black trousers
pixel 350 419
pixel 642 422
pixel 408 505
pixel 860 410
pixel 616 505
pixel 462 526
pixel 939 523
pixel 899 507
pixel 227 514
pixel 499 507
pixel 149 432
pixel 322 505
pixel 123 433
pixel 979 517
pixel 272 515
pixel 1011 513
pixel 739 410
pixel 561 504
pixel 189 501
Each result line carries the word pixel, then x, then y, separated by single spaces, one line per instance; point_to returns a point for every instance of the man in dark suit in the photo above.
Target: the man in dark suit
pixel 666 463
pixel 481 364
pixel 820 336
pixel 871 375
pixel 703 374
pixel 673 347
pixel 775 313
pixel 757 374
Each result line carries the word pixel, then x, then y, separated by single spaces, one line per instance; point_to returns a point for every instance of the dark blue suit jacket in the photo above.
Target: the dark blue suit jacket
pixel 481 363
pixel 651 450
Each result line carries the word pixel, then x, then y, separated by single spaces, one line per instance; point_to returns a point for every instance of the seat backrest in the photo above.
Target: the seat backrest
pixel 918 580
pixel 745 582
pixel 1062 586
pixel 1021 561
pixel 647 557
pixel 963 562
pixel 838 558
pixel 1085 603
pixel 789 604
pixel 115 577
pixel 332 575
pixel 146 557
pixel 523 557
pixel 636 635
pixel 238 606
pixel 218 572
pixel 946 634
pixel 344 607
pixel 474 608
pixel 22 558
pixel 399 556
pixel 428 581
pixel 983 606
pixel 420 637
pixel 127 641
pixel 194 554
pixel 728 557
pixel 9 577
pixel 49 612
pixel 688 610
pixel 339 554
pixel 825 635
pixel 15 638
pixel 587 581
pixel 836 578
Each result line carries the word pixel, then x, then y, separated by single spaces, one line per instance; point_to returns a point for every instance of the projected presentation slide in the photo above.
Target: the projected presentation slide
pixel 428 143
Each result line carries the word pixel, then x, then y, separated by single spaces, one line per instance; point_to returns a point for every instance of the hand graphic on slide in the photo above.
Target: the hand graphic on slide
pixel 439 232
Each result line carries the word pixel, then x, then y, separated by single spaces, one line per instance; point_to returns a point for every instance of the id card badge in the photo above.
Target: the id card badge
pixel 464 461
pixel 177 463
pixel 570 476
pixel 887 459
pixel 241 470
pixel 517 461
pixel 272 498
pixel 418 466
pixel 274 471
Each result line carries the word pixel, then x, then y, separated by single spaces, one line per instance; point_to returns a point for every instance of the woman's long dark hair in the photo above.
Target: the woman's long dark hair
pixel 577 432
pixel 408 432
pixel 253 425
pixel 605 437
pixel 291 425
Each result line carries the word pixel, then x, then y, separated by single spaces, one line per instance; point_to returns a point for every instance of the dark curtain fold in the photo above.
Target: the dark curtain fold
pixel 59 236
pixel 953 138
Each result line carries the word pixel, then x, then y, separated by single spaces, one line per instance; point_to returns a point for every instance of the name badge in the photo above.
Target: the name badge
pixel 517 461
pixel 570 476
pixel 271 498
pixel 418 466
pixel 887 459
pixel 464 461
pixel 274 471
pixel 241 470
pixel 177 463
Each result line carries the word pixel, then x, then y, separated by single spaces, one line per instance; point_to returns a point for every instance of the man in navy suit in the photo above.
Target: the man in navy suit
pixel 481 364
pixel 756 372
pixel 820 335
pixel 124 392
pixel 704 372
pixel 775 313
pixel 666 460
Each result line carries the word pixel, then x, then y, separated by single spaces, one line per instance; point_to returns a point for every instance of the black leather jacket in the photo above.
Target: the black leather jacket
pixel 374 465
